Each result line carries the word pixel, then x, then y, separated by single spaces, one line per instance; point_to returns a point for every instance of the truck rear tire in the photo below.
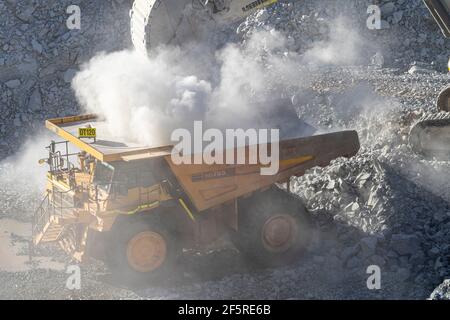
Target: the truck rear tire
pixel 273 228
pixel 142 249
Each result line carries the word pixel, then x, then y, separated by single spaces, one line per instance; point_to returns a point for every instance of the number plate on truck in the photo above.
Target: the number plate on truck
pixel 87 133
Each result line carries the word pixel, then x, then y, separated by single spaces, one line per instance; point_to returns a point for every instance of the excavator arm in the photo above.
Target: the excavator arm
pixel 440 10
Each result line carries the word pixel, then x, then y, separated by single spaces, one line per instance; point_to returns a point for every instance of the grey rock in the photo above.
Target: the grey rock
pixel 17 122
pixel 377 260
pixel 419 70
pixel 13 84
pixel 349 252
pixel 26 14
pixel 418 259
pixel 14 72
pixel 28 67
pixel 397 16
pixel 368 246
pixel 35 103
pixel 438 264
pixel 378 60
pixel 353 263
pixel 434 251
pixel 319 259
pixel 403 274
pixel 405 244
pixel 69 75
pixel 442 292
pixel 36 46
pixel 385 25
pixel 387 9
pixel 331 185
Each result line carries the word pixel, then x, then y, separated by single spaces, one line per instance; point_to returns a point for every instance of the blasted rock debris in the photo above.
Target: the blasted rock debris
pixel 386 206
pixel 38 56
pixel 442 292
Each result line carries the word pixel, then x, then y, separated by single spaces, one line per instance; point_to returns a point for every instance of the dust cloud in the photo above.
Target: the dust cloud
pixel 21 171
pixel 247 85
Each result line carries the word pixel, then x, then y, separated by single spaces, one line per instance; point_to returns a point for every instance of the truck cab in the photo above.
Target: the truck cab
pixel 79 184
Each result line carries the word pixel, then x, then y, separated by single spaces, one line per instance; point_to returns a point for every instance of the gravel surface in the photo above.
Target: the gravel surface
pixel 386 206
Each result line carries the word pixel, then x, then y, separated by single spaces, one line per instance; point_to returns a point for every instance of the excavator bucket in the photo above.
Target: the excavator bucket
pixel 431 134
pixel 175 22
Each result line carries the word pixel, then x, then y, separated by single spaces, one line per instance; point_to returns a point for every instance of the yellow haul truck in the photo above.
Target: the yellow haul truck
pixel 132 207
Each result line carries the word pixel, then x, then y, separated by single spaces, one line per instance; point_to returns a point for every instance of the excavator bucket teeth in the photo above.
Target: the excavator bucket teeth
pixel 430 136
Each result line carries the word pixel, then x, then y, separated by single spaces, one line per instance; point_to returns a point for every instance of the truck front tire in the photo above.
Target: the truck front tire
pixel 141 249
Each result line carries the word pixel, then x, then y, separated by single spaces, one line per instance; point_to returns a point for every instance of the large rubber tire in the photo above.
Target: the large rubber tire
pixel 129 230
pixel 443 101
pixel 259 212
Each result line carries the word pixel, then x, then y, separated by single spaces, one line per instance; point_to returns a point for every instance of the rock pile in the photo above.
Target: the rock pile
pixel 407 33
pixel 39 55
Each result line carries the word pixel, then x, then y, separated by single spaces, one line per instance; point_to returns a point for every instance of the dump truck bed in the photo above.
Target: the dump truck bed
pixel 104 147
pixel 210 185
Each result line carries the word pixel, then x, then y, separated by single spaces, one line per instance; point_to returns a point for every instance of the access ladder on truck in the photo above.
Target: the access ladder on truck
pixel 51 217
pixel 56 209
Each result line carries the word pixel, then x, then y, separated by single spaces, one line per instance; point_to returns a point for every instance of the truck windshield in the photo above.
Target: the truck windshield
pixel 103 175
